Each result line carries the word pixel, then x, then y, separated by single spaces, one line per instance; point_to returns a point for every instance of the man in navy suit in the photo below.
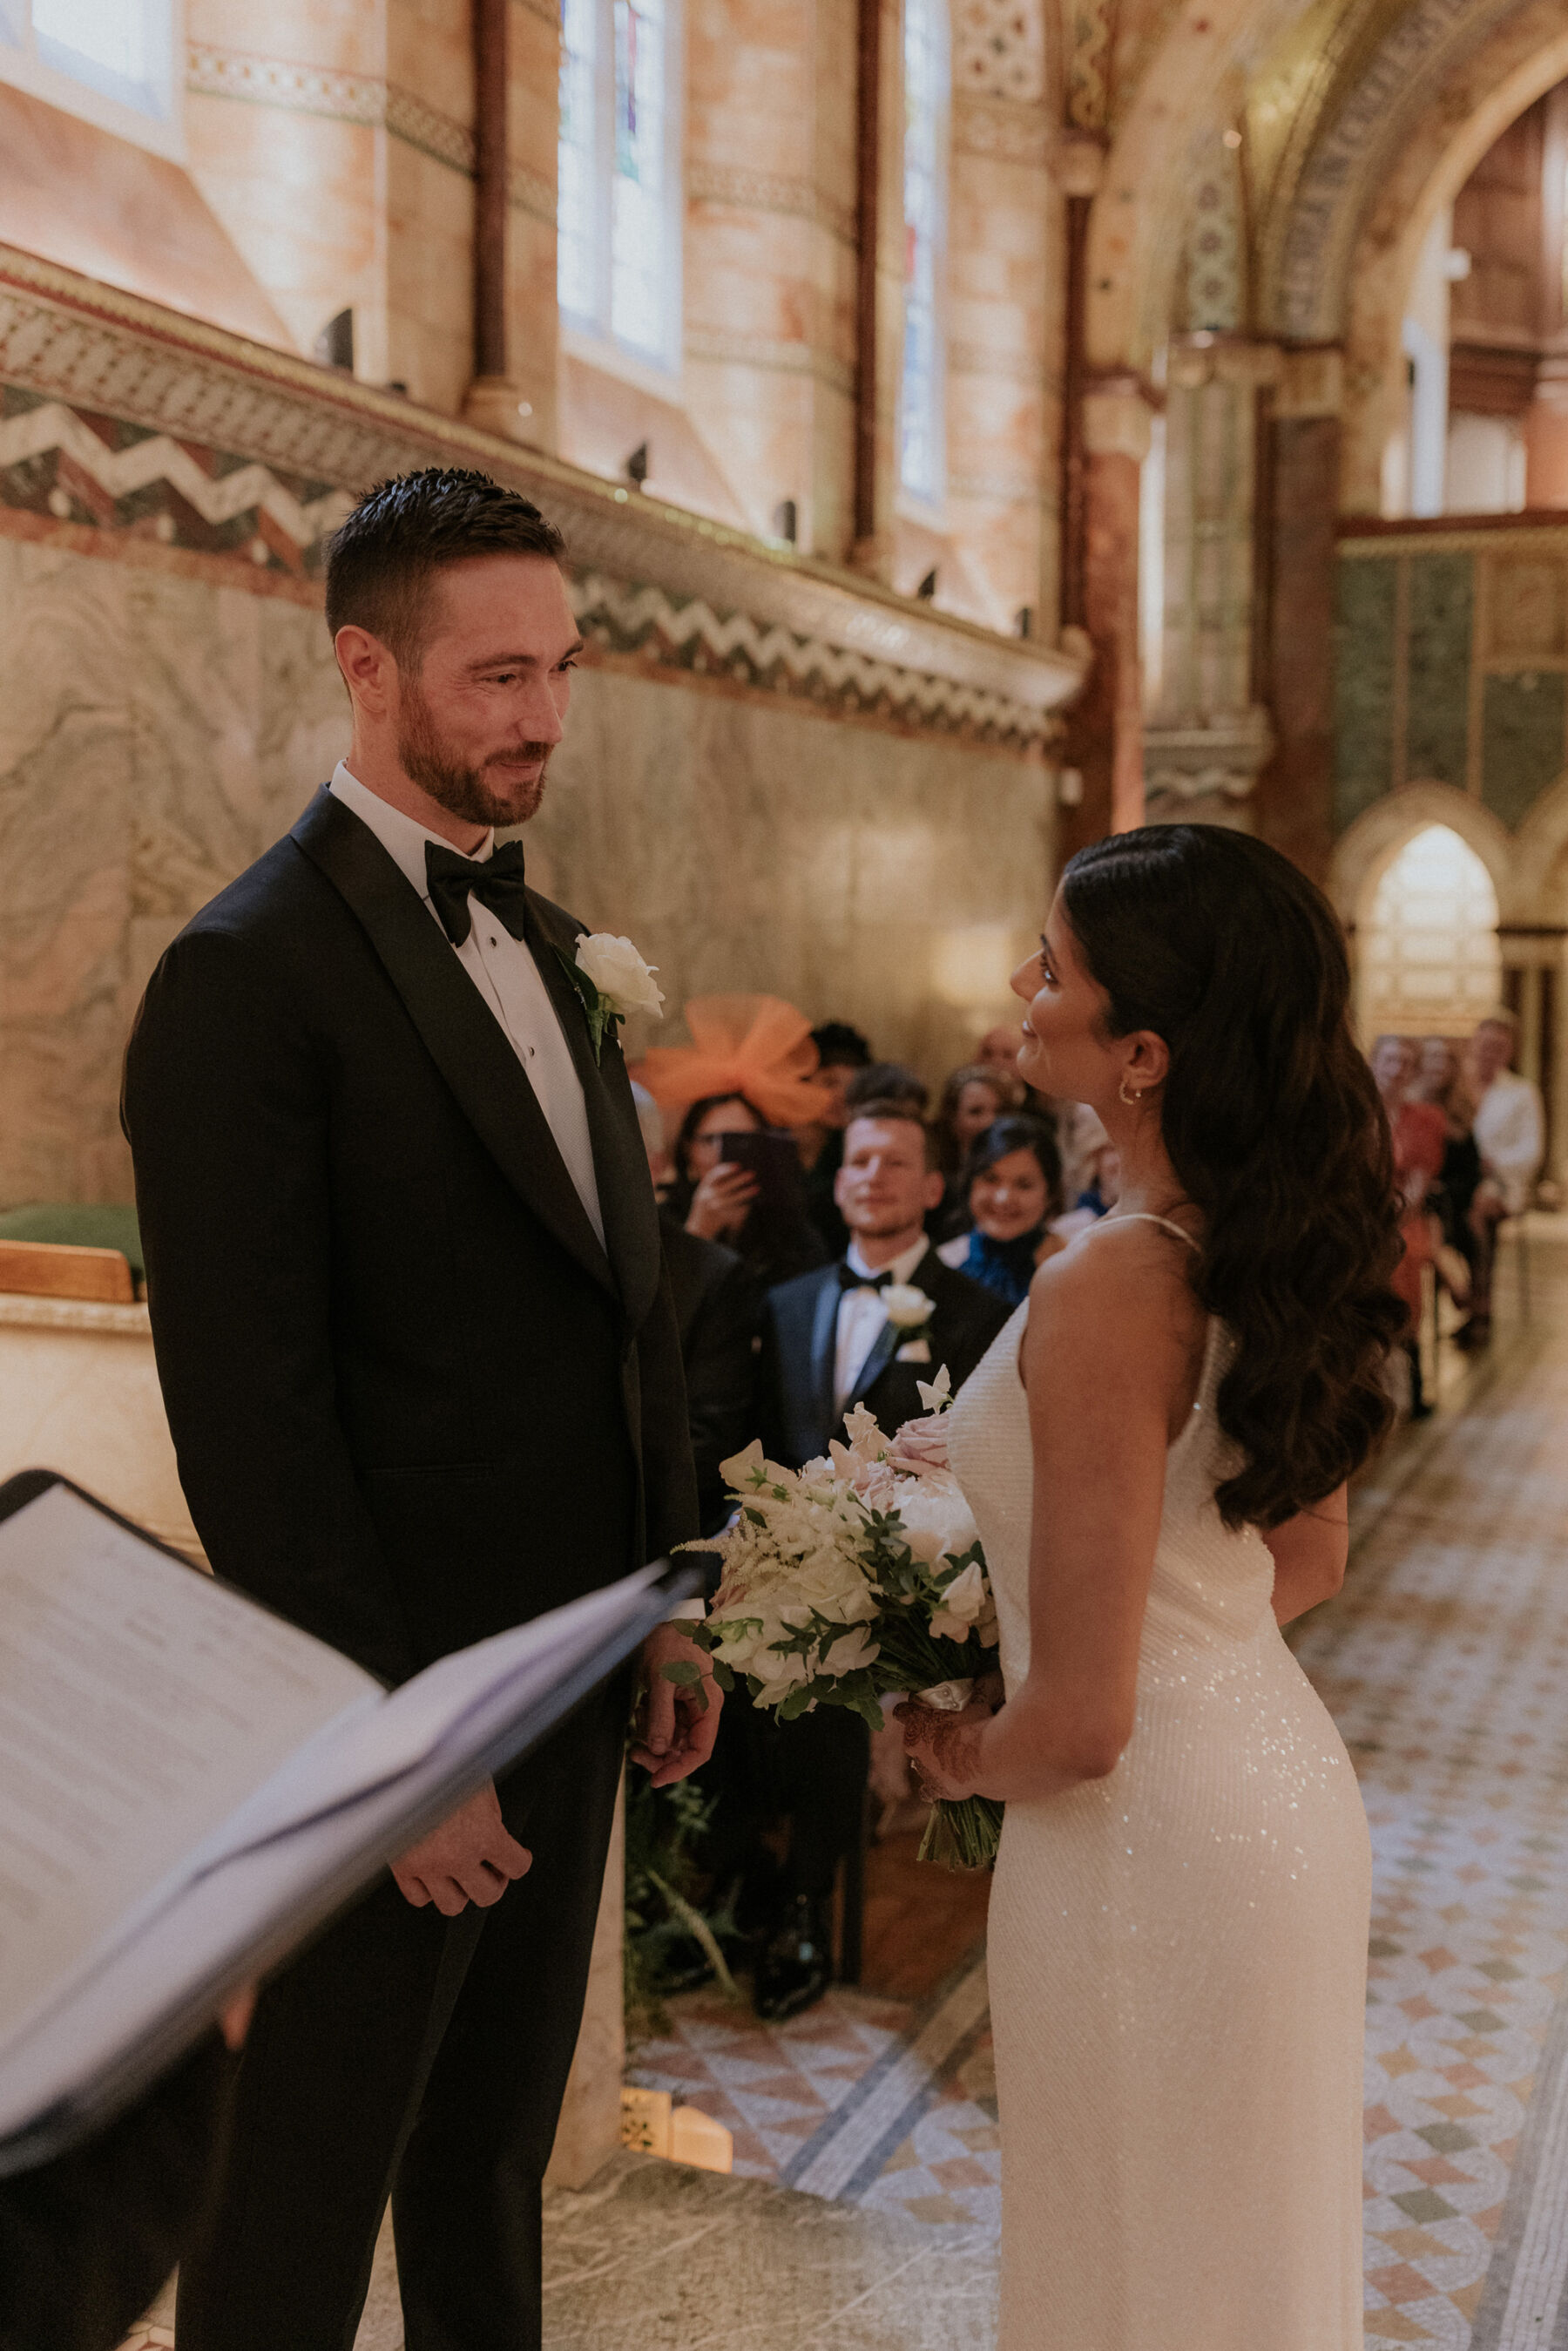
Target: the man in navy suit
pixel 867 1330
pixel 830 1340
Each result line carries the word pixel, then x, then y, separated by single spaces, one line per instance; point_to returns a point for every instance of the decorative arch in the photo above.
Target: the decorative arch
pixel 1540 856
pixel 1521 59
pixel 1368 847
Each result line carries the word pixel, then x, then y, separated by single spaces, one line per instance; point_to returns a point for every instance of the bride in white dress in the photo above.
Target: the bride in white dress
pixel 1156 1452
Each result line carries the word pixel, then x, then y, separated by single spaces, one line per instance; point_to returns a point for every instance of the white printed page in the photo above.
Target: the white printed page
pixel 141 1703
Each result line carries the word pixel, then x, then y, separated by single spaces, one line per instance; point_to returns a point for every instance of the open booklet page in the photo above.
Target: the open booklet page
pixel 357 1788
pixel 141 1703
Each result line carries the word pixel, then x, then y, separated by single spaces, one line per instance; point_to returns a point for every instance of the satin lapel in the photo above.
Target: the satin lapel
pixel 626 1204
pixel 884 1347
pixel 825 1350
pixel 461 1034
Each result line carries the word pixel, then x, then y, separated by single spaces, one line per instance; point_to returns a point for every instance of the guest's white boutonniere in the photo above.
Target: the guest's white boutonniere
pixel 612 980
pixel 910 1311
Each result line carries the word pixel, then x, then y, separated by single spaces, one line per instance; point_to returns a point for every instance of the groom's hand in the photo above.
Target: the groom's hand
pixel 676 1720
pixel 469 1858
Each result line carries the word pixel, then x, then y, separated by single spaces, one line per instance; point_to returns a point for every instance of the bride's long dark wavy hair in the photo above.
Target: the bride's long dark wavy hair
pixel 1276 1130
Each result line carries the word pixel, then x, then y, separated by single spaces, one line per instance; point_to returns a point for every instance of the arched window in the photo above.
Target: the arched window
pixel 1428 951
pixel 619 180
pixel 922 467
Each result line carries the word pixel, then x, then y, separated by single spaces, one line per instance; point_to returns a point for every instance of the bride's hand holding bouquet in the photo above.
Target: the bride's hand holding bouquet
pixel 859 1576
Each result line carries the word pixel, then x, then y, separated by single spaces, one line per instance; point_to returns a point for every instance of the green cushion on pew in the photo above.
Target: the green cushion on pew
pixel 78 1226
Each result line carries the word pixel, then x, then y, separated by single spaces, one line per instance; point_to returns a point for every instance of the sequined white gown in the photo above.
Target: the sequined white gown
pixel 1177 1955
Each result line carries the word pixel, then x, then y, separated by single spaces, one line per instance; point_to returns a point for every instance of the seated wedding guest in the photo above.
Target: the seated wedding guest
pixel 1009 1189
pixel 827 1341
pixel 1511 1136
pixel 1092 1173
pixel 841 1051
pixel 830 1341
pixel 997 1051
pixel 749 1067
pixel 716 1198
pixel 1440 1080
pixel 973 1097
pixel 1419 1134
pixel 718 1305
pixel 86 2240
pixel 883 1081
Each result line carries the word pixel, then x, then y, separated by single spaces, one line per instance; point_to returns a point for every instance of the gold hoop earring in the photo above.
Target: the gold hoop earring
pixel 1132 1100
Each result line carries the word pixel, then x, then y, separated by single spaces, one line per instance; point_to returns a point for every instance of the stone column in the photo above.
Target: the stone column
pixel 1295 799
pixel 770 259
pixel 1001 447
pixel 1104 730
pixel 1208 736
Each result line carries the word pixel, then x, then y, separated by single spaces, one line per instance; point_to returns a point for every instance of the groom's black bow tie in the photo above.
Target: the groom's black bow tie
pixel 849 1280
pixel 496 881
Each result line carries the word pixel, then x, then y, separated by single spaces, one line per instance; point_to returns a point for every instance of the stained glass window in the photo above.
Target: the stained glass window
pixel 617 216
pixel 922 469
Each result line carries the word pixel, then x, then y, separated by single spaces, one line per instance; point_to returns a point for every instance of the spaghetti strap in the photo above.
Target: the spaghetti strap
pixel 1145 1217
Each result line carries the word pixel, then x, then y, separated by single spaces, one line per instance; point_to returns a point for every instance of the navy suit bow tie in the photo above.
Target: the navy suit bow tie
pixel 849 1280
pixel 496 881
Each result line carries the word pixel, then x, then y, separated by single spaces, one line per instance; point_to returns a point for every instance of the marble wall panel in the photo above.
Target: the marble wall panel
pixel 745 847
pixel 1437 732
pixel 1364 595
pixel 156 734
pixel 1522 739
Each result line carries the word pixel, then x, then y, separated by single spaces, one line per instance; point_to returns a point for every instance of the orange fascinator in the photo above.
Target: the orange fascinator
pixel 758 1046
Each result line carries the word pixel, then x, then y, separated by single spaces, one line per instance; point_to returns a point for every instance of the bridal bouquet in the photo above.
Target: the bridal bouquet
pixel 859 1575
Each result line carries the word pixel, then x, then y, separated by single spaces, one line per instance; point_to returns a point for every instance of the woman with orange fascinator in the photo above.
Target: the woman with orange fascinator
pixel 749 1069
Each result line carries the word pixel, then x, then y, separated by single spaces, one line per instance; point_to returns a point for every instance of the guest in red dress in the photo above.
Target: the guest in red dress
pixel 1420 1135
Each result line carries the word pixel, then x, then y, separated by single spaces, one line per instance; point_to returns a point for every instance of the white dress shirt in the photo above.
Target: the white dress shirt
pixel 861 1317
pixel 1511 1136
pixel 506 976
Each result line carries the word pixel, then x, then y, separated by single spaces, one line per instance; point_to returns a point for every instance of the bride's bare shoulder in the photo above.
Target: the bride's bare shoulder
pixel 1121 1287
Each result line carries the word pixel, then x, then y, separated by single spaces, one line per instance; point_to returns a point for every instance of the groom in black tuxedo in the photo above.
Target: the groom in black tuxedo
pixel 422 1371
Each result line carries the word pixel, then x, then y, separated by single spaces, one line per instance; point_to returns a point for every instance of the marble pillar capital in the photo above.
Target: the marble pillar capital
pixel 1311 382
pixel 1117 418
pixel 1076 162
pixel 1205 770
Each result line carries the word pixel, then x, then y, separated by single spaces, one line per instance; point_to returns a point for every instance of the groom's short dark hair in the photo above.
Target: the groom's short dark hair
pixel 381 560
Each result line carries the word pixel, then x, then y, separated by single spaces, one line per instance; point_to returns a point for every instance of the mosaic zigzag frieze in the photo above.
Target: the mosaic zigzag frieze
pixel 645 620
pixel 138 426
pixel 117 476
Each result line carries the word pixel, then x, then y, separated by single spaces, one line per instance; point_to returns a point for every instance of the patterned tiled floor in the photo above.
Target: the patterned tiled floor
pixel 1445 1664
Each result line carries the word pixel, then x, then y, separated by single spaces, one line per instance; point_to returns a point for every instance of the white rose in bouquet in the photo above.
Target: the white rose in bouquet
pixel 966 1606
pixel 938 1521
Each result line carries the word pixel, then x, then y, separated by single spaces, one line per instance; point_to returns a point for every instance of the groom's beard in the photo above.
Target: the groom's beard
pixel 483 795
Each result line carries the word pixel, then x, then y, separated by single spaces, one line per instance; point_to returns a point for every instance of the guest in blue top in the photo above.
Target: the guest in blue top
pixel 1010 1188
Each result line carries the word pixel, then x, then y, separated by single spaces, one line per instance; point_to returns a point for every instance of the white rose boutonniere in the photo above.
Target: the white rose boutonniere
pixel 612 980
pixel 906 1308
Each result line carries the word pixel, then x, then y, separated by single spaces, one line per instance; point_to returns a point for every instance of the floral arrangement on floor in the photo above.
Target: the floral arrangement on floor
pixel 861 1574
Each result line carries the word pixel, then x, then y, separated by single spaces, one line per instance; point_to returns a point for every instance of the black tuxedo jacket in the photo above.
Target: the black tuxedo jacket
pixel 799 1342
pixel 413 1400
pixel 718 1306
